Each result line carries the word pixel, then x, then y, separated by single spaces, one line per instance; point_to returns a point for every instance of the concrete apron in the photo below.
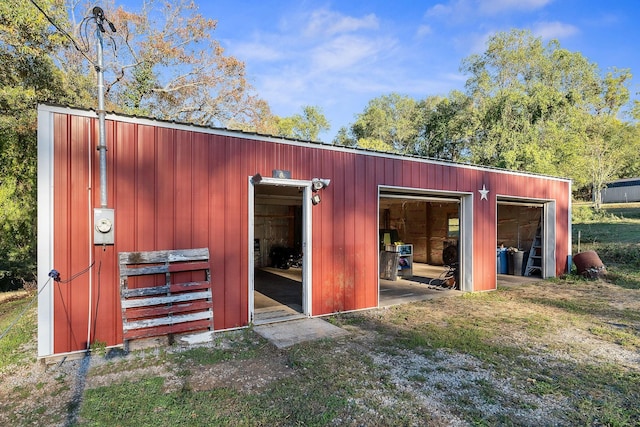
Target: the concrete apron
pixel 286 334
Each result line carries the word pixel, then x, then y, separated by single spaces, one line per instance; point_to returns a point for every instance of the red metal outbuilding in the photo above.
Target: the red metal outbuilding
pixel 178 186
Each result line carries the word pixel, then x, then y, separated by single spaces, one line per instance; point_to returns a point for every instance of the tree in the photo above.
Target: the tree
pixel 607 141
pixel 28 75
pixel 375 145
pixel 306 126
pixel 163 62
pixel 443 127
pixel 541 108
pixel 389 119
pixel 605 152
pixel 344 138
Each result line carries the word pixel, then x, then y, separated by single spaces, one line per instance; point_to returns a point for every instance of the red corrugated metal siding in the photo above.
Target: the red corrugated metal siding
pixel 484 224
pixel 173 189
pixel 560 192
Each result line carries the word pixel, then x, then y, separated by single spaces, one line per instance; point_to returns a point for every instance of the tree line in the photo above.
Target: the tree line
pixel 526 105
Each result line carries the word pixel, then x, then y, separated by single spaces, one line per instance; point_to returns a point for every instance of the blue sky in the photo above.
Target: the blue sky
pixel 339 55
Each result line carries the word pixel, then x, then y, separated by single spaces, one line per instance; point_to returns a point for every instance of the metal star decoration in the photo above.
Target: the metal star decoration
pixel 483 193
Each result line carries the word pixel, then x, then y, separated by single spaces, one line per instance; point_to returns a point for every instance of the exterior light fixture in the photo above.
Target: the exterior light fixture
pixel 319 183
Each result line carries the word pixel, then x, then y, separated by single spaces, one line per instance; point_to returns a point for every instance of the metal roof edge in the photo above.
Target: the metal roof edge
pixel 63 109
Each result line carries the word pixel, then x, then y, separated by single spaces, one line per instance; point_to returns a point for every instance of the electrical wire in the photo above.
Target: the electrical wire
pixel 55 276
pixel 24 310
pixel 95 317
pixel 63 32
pixel 80 273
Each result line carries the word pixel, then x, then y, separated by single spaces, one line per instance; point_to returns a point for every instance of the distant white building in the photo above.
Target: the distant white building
pixel 622 191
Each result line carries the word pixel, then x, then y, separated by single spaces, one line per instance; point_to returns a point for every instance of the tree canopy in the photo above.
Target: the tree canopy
pixel 28 75
pixel 164 62
pixel 527 105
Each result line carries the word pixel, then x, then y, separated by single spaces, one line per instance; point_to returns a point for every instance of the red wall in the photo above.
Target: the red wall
pixel 181 187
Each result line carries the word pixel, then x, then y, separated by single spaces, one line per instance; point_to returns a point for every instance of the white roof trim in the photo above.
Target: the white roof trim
pixel 281 140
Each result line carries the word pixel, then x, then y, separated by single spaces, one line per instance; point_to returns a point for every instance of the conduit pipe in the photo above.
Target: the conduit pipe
pixel 102 134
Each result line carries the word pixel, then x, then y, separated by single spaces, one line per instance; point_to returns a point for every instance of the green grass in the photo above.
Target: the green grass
pixel 21 333
pixel 615 235
pixel 144 403
pixel 623 210
pixel 244 345
pixel 319 393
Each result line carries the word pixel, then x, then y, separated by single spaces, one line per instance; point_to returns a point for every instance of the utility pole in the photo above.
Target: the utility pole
pixel 98 14
pixel 103 217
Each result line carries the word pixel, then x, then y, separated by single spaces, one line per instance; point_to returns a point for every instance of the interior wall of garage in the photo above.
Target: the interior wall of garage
pixel 517 225
pixel 275 227
pixel 423 224
pixel 178 186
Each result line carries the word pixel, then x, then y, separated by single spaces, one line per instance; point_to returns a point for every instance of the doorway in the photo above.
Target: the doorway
pixel 525 237
pixel 279 273
pixel 432 232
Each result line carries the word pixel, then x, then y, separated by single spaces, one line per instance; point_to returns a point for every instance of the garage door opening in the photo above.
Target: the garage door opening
pixel 425 231
pixel 278 285
pixel 521 239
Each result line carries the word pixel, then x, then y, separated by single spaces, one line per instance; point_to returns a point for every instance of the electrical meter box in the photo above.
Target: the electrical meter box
pixel 103 226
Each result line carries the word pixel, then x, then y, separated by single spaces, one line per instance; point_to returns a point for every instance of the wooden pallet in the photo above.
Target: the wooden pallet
pixel 173 307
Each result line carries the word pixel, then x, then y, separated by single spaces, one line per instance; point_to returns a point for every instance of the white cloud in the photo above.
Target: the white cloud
pixel 554 30
pixel 439 10
pixel 466 9
pixel 344 52
pixel 327 23
pixel 492 7
pixel 424 30
pixel 258 51
pixel 472 42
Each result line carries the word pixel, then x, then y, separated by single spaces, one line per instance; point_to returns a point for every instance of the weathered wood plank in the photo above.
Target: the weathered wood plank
pixel 158 257
pixel 190 286
pixel 143 271
pixel 168 320
pixel 165 289
pixel 188 266
pixel 142 312
pixel 143 302
pixel 170 329
pixel 188 255
pixel 144 292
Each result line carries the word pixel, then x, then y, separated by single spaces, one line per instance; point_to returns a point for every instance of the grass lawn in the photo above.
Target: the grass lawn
pixel 559 352
pixel 615 236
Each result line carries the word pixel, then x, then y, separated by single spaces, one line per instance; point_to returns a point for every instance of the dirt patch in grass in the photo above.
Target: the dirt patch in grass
pixel 252 375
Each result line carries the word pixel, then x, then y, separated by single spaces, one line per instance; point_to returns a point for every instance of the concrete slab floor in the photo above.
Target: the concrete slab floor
pixel 286 334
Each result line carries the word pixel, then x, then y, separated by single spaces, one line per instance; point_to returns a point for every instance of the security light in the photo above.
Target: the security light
pixel 319 183
pixel 315 199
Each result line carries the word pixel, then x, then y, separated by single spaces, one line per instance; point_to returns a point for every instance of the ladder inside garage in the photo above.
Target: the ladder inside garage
pixel 534 262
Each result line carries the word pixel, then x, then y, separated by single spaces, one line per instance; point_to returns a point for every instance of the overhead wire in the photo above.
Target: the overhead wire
pixel 56 277
pixel 24 310
pixel 62 31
